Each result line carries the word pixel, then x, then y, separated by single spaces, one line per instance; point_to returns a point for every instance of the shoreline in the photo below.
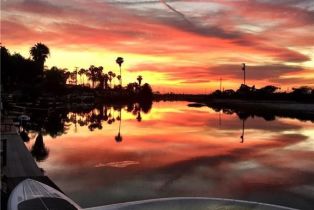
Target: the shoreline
pixel 267 104
pixel 269 110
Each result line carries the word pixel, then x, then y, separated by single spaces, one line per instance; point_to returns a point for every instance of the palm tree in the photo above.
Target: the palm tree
pixel 119 61
pixel 110 77
pixel 139 79
pixel 113 76
pixel 100 76
pixel 81 72
pixel 106 79
pixel 139 116
pixel 73 77
pixel 93 73
pixel 101 80
pixel 40 53
pixel 119 77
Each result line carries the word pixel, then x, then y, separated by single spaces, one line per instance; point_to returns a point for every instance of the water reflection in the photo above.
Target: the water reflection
pixel 118 137
pixel 54 123
pixel 24 135
pixel 39 151
pixel 243 128
pixel 177 150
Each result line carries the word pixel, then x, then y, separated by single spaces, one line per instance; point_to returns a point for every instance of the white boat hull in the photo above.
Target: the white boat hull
pixel 31 194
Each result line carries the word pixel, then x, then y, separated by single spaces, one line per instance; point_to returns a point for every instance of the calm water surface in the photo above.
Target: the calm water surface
pixel 176 150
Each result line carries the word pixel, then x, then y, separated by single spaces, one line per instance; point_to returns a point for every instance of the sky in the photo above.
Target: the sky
pixel 177 46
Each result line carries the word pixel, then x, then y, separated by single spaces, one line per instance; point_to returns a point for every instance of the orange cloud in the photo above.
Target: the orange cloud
pixel 223 33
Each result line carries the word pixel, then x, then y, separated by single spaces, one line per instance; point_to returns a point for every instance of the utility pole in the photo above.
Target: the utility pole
pixel 243 69
pixel 220 84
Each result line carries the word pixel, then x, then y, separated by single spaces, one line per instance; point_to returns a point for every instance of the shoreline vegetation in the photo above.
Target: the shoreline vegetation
pixel 28 82
pixel 28 79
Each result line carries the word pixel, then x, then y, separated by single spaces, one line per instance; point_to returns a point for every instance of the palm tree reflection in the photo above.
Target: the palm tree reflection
pixel 57 122
pixel 139 117
pixel 39 150
pixel 24 135
pixel 118 137
pixel 95 117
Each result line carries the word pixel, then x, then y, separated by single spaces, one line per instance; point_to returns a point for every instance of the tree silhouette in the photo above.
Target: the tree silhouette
pixel 101 80
pixel 118 137
pixel 40 53
pixel 303 90
pixel 91 74
pixel 139 79
pixel 146 92
pixel 73 77
pixel 39 150
pixel 267 90
pixel 111 76
pixel 81 72
pixel 106 79
pixel 119 78
pixel 119 61
pixel 94 74
pixel 139 116
pixel 24 136
pixel 55 80
pixel 54 124
pixel 17 72
pixel 132 88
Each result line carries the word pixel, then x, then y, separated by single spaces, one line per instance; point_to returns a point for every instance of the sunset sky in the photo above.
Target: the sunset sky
pixel 180 46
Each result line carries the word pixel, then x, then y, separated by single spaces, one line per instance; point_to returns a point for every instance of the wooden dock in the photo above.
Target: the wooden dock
pixel 17 163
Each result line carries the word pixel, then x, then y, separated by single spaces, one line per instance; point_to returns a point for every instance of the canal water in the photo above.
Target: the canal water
pixel 117 154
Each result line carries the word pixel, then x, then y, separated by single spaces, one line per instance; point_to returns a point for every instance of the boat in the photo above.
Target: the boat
pixel 34 195
pixel 31 194
pixel 194 203
pixel 23 117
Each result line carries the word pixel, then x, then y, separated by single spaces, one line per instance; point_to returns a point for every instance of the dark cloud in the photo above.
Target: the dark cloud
pixel 261 72
pixel 293 80
pixel 34 7
pixel 195 81
pixel 195 74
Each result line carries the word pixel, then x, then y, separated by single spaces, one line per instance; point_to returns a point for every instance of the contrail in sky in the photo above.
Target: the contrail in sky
pixel 176 11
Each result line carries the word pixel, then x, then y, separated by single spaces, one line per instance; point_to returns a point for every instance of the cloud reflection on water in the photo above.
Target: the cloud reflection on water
pixel 186 152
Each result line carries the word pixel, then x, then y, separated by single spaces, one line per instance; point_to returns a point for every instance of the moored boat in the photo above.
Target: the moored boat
pixel 31 195
pixel 34 195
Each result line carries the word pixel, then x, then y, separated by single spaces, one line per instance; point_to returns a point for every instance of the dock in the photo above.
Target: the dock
pixel 17 163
